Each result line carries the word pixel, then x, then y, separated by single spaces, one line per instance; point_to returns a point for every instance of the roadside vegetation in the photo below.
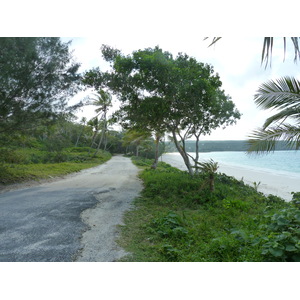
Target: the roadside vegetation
pixel 178 218
pixel 32 164
pixel 63 148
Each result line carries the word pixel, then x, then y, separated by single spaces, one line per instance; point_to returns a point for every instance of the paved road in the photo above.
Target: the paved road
pixel 73 219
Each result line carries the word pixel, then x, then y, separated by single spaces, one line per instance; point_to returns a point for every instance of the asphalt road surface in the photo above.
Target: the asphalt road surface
pixel 71 219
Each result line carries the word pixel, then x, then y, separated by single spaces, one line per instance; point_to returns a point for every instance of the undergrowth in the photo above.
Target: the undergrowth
pixel 18 165
pixel 178 218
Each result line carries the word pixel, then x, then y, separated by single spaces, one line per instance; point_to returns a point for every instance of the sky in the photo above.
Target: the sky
pixel 238 63
pixel 175 26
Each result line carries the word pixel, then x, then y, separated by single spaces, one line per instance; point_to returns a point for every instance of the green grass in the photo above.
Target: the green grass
pixel 177 218
pixel 31 164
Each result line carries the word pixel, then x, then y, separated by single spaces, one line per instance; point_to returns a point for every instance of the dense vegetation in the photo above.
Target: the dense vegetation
pixel 39 133
pixel 64 147
pixel 32 164
pixel 177 218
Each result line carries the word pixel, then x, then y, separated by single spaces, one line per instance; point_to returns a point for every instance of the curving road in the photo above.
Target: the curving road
pixel 72 219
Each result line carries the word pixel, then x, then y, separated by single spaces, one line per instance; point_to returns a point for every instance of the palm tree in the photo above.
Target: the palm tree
pixel 284 96
pixel 210 168
pixel 94 124
pixel 103 102
pixel 83 121
pixel 136 138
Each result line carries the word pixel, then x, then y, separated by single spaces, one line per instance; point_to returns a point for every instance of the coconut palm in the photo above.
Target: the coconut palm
pixel 103 101
pixel 83 121
pixel 94 125
pixel 282 95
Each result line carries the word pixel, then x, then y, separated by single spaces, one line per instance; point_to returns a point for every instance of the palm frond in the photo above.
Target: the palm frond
pixel 283 115
pixel 268 47
pixel 208 166
pixel 267 50
pixel 214 40
pixel 264 141
pixel 296 48
pixel 280 93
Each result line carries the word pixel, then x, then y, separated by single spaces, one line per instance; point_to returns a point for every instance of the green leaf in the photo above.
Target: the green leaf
pixel 276 252
pixel 282 221
pixel 291 248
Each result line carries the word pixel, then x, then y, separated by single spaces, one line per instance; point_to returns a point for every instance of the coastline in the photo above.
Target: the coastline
pixel 270 183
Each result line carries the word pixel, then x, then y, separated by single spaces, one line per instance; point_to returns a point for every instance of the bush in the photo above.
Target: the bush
pixel 170 225
pixel 280 236
pixel 79 149
pixel 11 156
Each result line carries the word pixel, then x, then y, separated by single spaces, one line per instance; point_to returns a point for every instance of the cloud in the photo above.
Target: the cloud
pixel 236 60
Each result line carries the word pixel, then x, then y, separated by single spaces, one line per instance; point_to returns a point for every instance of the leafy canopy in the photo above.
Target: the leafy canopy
pixel 37 77
pixel 160 92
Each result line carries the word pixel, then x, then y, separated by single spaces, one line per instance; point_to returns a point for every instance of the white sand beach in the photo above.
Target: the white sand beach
pixel 280 183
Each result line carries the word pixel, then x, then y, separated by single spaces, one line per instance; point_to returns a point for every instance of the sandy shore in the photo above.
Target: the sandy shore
pixel 280 183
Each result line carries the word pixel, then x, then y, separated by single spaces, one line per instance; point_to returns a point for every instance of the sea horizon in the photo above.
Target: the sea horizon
pixel 283 162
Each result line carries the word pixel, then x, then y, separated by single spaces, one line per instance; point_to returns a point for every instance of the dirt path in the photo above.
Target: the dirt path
pixel 70 219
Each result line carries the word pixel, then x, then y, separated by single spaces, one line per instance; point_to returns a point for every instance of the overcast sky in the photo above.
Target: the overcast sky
pixel 238 62
pixel 175 26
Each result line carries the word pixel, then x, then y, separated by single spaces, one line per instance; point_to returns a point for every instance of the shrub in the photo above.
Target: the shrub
pixel 11 156
pixel 78 149
pixel 280 235
pixel 170 225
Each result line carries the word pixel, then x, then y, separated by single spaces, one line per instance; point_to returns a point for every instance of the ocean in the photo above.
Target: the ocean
pixel 279 161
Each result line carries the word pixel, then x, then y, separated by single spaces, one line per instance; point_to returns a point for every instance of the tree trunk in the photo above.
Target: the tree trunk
pixel 101 139
pixel 105 144
pixel 93 140
pixel 183 154
pixel 197 154
pixel 154 165
pixel 79 137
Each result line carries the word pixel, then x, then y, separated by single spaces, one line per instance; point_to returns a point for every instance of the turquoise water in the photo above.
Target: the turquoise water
pixel 286 161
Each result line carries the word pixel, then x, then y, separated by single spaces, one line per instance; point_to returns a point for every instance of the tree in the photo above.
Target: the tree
pixel 83 121
pixel 210 168
pixel 38 75
pixel 103 102
pixel 144 116
pixel 282 95
pixel 94 125
pixel 136 138
pixel 160 94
